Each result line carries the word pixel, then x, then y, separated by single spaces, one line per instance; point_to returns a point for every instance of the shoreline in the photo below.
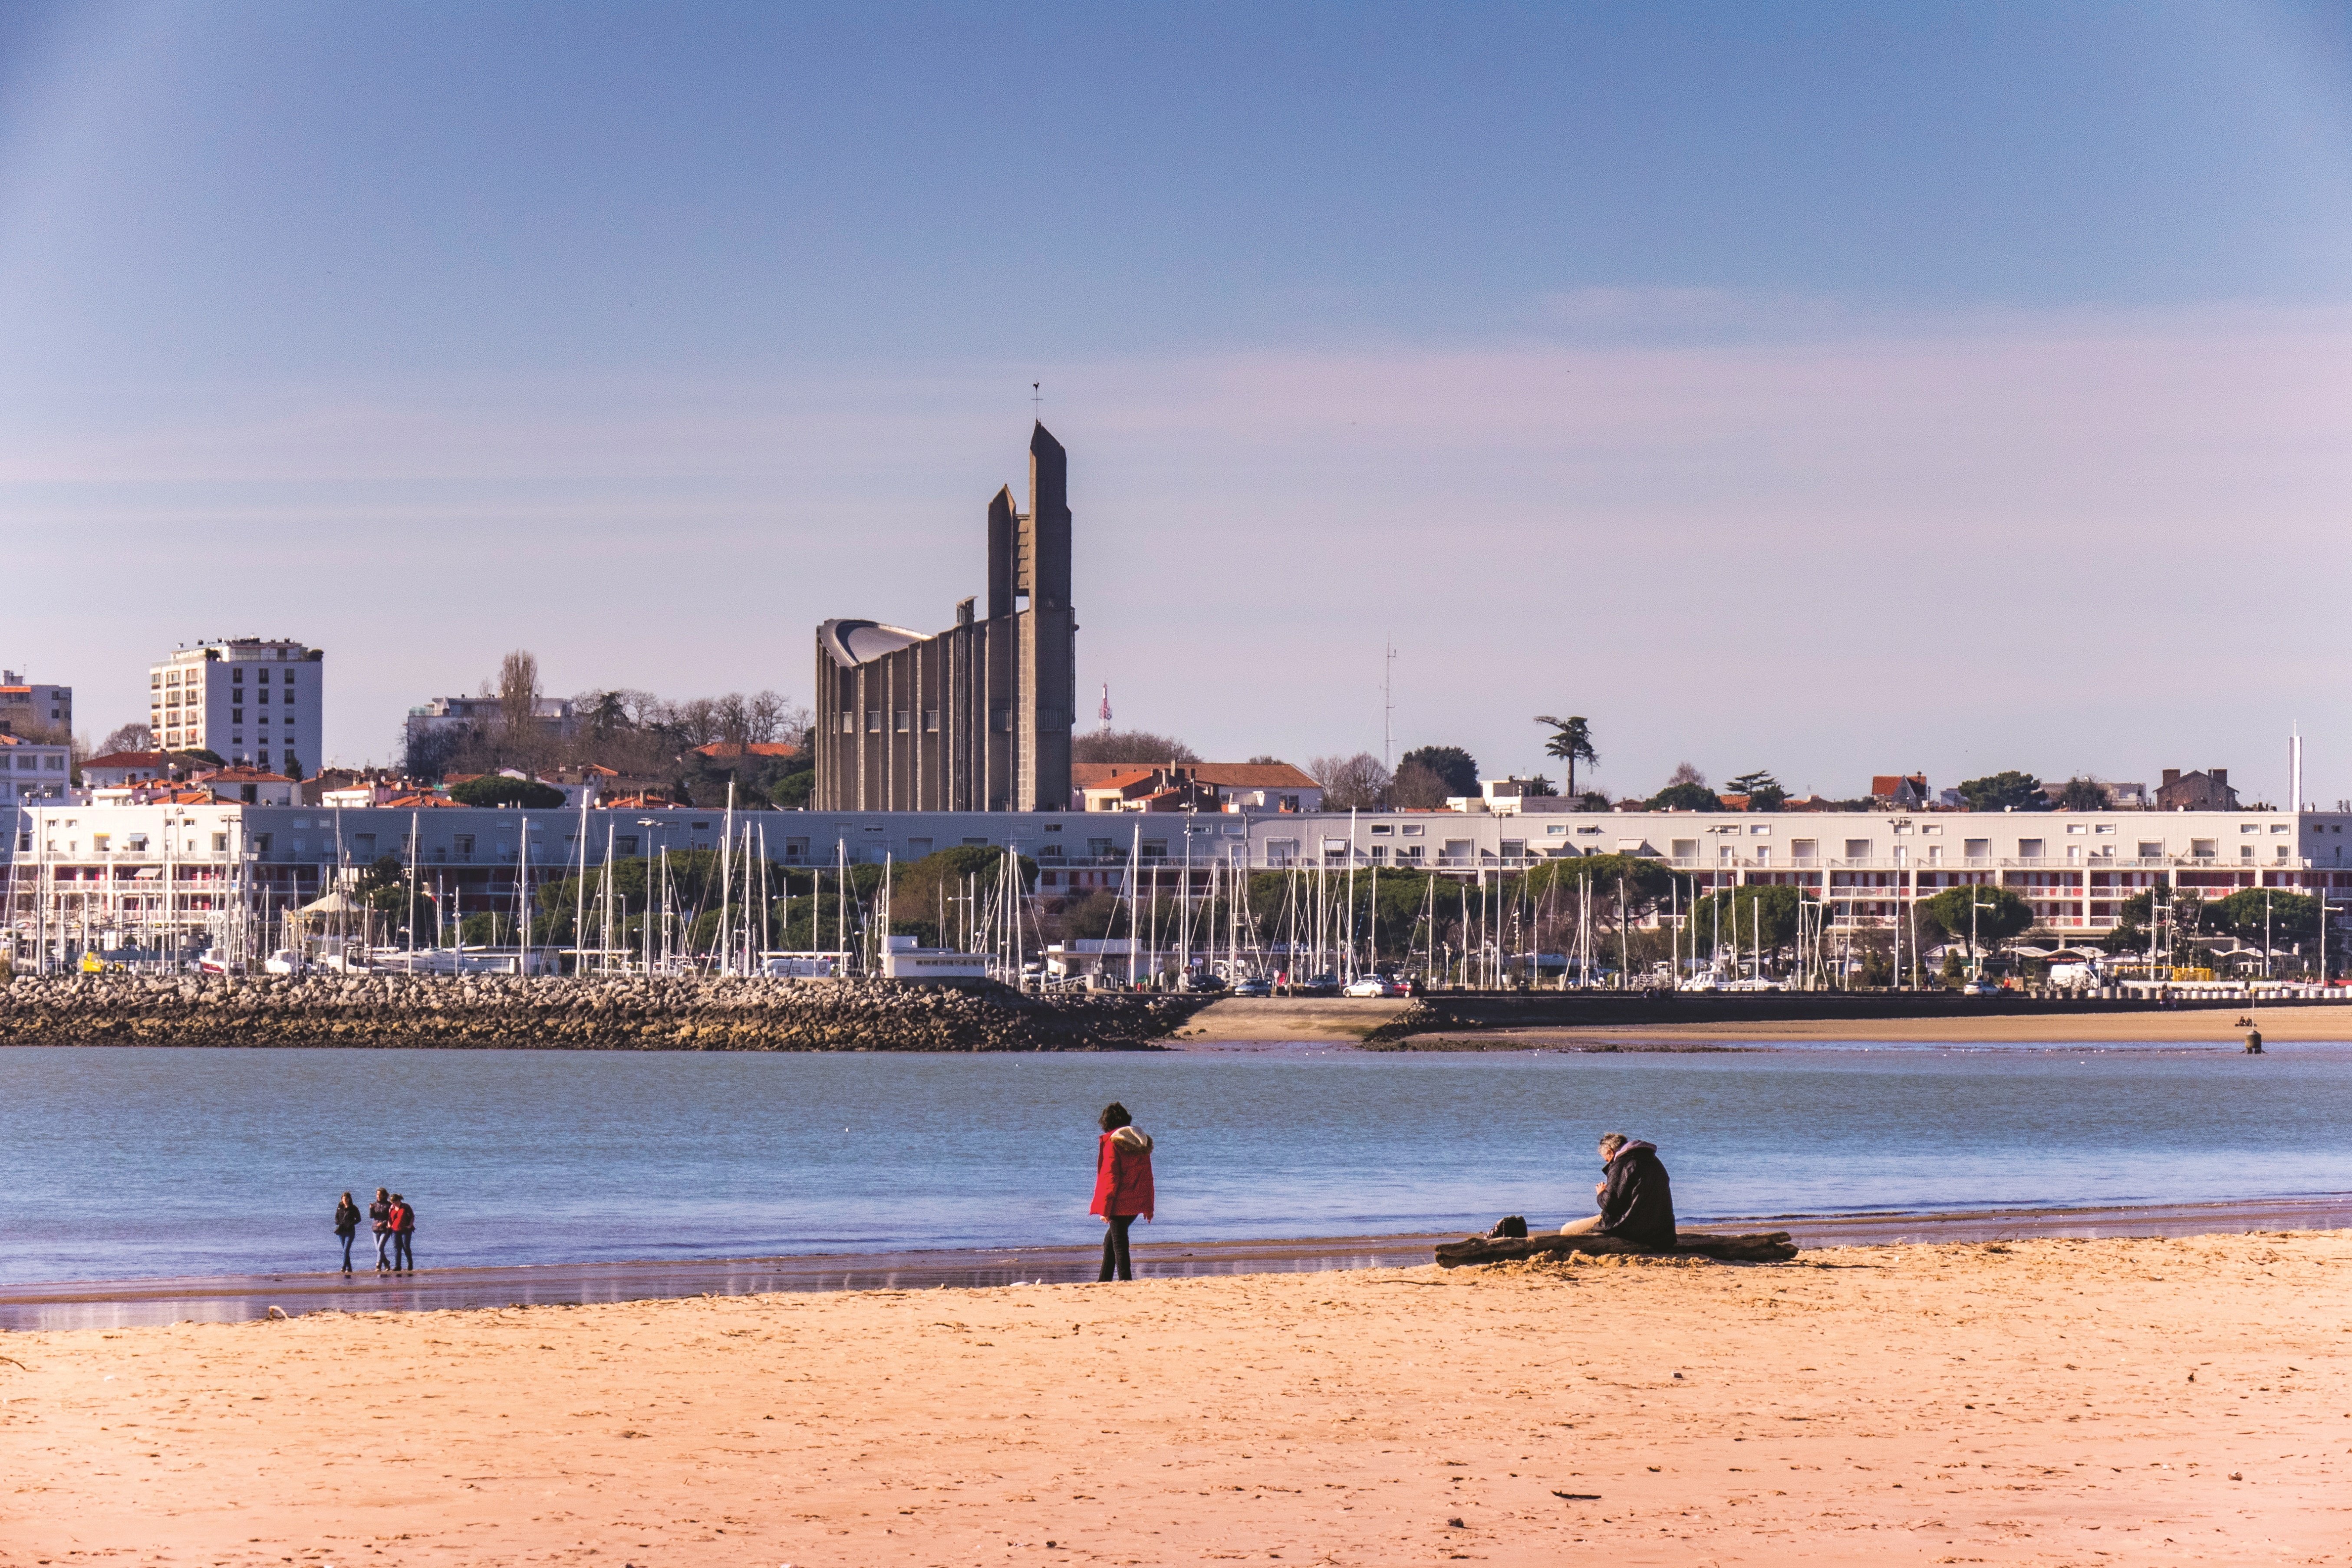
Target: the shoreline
pixel 60 1305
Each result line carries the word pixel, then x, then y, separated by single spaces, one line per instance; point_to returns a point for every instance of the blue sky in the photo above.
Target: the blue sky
pixel 1827 388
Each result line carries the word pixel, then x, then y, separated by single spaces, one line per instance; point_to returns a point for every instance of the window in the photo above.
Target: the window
pixel 1685 849
pixel 220 844
pixel 969 843
pixel 2102 827
pixel 1514 848
pixel 1857 848
pixel 1101 846
pixel 1763 854
pixel 236 677
pixel 1594 831
pixel 874 721
pixel 1932 829
pixel 363 846
pixel 850 723
pixel 626 844
pixel 261 842
pixel 1409 851
pixel 2278 827
pixel 1901 828
pixel 2245 851
pixel 931 720
pixel 57 763
pixel 2028 849
pixel 2250 827
pixel 1382 829
pixel 1805 849
pixel 99 841
pixel 903 723
pixel 1765 827
pixel 1155 849
pixel 2148 852
pixel 2078 827
pixel 1935 854
pixel 1727 856
pixel 1415 830
pixel 264 678
pixel 2203 848
pixel 1001 721
pixel 464 843
pixel 1559 828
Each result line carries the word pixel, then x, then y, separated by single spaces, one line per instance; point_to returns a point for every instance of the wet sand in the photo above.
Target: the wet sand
pixel 2218 1029
pixel 2035 1401
pixel 129 1303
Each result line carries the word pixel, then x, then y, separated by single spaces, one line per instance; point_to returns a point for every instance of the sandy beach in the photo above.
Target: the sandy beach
pixel 2049 1401
pixel 2220 1029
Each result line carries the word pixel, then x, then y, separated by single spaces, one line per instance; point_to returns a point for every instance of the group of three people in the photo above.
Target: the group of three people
pixel 393 1218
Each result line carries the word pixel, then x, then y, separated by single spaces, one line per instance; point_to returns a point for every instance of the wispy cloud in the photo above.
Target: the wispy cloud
pixel 2097 540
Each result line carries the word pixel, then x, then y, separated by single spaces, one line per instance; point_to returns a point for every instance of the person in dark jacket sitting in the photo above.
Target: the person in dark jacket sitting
pixel 1637 1205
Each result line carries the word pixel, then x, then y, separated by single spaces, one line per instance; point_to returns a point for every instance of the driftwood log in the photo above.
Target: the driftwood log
pixel 1773 1247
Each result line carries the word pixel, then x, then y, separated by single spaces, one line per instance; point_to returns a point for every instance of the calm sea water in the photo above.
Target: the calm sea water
pixel 126 1163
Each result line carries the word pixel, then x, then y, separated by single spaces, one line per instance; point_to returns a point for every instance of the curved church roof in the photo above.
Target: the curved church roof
pixel 853 643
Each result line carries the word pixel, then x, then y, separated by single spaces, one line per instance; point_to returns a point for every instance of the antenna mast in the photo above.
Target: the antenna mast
pixel 1388 702
pixel 1106 708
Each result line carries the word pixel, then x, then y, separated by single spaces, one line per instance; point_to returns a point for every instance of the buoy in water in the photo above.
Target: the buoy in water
pixel 2253 1042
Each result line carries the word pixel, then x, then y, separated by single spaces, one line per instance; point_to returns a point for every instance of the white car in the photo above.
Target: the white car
pixel 1369 985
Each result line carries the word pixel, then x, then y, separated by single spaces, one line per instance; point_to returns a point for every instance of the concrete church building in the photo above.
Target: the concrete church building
pixel 978 717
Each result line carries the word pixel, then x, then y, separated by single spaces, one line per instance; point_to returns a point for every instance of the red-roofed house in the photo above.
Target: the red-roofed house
pixel 1192 786
pixel 1900 792
pixel 249 786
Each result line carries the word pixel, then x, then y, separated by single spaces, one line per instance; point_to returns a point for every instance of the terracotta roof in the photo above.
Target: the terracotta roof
pixel 1227 776
pixel 131 760
pixel 239 775
pixel 1889 784
pixel 755 748
pixel 1254 776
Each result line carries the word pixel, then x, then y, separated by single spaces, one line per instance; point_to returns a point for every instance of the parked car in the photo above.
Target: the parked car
pixel 1984 987
pixel 1204 980
pixel 1371 985
pixel 1321 985
pixel 1254 986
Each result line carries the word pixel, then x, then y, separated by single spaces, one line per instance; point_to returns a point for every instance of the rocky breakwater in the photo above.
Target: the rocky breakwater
pixel 634 1012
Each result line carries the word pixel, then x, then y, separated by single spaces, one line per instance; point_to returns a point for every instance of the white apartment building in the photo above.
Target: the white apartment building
pixel 34 772
pixel 28 708
pixel 165 874
pixel 250 700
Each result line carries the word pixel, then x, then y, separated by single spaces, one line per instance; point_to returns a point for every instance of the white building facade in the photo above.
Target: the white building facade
pixel 165 875
pixel 34 772
pixel 30 708
pixel 248 700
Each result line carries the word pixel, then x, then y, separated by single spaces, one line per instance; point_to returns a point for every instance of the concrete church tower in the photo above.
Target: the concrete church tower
pixel 978 717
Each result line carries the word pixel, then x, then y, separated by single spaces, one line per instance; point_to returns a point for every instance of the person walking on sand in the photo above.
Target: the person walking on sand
pixel 347 1224
pixel 1637 1205
pixel 404 1229
pixel 380 1217
pixel 1122 1185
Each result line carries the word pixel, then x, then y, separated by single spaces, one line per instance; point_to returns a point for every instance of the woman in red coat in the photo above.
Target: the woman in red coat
pixel 1122 1185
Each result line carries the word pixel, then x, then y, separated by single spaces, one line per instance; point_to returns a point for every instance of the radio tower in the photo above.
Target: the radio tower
pixel 1106 708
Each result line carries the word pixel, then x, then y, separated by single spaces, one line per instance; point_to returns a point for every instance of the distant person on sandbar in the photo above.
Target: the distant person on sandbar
pixel 1637 1203
pixel 1122 1185
pixel 380 1217
pixel 404 1232
pixel 347 1224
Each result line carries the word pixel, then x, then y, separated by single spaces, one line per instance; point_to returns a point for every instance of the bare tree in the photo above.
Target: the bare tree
pixel 1685 774
pixel 518 692
pixel 1419 786
pixel 1130 746
pixel 1350 783
pixel 128 738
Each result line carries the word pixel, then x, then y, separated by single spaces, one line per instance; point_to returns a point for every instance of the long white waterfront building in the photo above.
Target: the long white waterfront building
pixel 172 876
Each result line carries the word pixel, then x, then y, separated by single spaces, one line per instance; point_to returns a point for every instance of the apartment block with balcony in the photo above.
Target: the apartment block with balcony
pixel 251 701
